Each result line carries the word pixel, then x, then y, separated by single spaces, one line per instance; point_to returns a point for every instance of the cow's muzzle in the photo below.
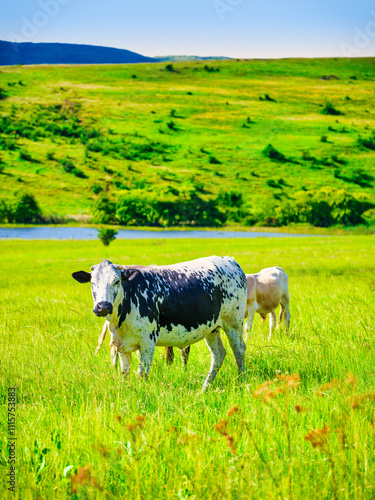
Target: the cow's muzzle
pixel 103 308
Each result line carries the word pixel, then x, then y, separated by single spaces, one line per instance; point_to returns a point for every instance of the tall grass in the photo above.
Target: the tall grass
pixel 300 426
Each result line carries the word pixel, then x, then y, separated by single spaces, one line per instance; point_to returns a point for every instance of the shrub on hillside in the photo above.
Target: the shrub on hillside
pixel 26 156
pixel 357 176
pixel 4 211
pixel 25 210
pixel 274 154
pixel 214 161
pixel 8 143
pixel 69 168
pixel 135 210
pixel 122 150
pixel 329 109
pixel 232 203
pixel 104 210
pixel 3 94
pixel 97 188
pixel 192 210
pixel 367 142
pixel 266 97
pixel 140 209
pixel 323 208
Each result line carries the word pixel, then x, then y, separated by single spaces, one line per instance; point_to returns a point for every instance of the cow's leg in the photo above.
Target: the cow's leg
pixel 169 355
pixel 249 322
pixel 272 321
pixel 102 336
pixel 125 361
pixel 215 345
pixel 145 360
pixel 185 355
pixel 114 356
pixel 281 317
pixel 285 312
pixel 235 337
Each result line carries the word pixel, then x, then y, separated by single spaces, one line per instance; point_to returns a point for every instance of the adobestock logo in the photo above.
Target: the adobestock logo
pixel 362 39
pixel 31 26
pixel 223 7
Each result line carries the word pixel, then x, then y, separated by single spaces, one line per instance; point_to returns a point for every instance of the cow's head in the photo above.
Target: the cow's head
pixel 107 285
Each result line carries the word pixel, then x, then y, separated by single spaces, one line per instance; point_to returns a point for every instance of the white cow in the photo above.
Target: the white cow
pixel 175 306
pixel 265 291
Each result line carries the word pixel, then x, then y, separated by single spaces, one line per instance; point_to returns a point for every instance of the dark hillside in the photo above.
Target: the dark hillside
pixel 65 53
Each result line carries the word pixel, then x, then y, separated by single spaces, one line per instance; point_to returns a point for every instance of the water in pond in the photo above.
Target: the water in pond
pixel 86 233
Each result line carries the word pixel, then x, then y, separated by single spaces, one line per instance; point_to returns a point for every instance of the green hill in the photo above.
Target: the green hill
pixel 241 141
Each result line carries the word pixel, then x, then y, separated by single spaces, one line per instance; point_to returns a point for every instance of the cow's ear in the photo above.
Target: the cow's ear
pixel 82 277
pixel 129 274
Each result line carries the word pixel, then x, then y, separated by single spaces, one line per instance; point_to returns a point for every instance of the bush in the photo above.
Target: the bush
pixel 357 176
pixel 135 210
pixel 4 211
pixel 273 184
pixel 97 188
pixel 3 94
pixel 104 210
pixel 232 202
pixel 273 154
pixel 214 161
pixel 62 120
pixel 122 150
pixel 266 97
pixel 8 143
pixel 25 210
pixel 172 126
pixel 211 69
pixel 69 168
pixel 367 142
pixel 329 109
pixel 141 209
pixel 24 155
pixel 106 236
pixel 324 208
pixel 78 173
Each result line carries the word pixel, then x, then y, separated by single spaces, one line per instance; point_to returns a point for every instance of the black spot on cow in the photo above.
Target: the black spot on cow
pixel 190 301
pixel 172 298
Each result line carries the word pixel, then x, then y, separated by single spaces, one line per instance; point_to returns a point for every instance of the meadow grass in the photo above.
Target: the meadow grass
pixel 301 425
pixel 209 112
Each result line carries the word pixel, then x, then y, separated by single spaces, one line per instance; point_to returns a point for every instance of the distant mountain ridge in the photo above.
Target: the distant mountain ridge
pixel 189 58
pixel 66 53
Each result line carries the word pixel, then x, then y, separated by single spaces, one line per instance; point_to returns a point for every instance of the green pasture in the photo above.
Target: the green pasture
pixel 67 132
pixel 84 433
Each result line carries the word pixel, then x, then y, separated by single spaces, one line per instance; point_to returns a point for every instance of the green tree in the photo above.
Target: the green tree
pixel 25 210
pixel 106 236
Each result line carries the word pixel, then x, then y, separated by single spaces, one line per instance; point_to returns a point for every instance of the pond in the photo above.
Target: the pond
pixel 86 233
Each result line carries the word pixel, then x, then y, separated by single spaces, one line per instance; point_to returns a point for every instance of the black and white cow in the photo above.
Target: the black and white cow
pixel 176 305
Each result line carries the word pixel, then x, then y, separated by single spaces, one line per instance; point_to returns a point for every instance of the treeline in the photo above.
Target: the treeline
pixel 324 208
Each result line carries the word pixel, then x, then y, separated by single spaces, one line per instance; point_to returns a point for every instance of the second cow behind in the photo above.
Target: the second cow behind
pixel 265 291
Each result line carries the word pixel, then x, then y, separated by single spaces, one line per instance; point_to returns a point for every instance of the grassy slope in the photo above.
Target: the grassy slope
pixel 68 400
pixel 211 123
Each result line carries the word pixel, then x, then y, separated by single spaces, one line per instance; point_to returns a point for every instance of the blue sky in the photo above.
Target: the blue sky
pixel 232 28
